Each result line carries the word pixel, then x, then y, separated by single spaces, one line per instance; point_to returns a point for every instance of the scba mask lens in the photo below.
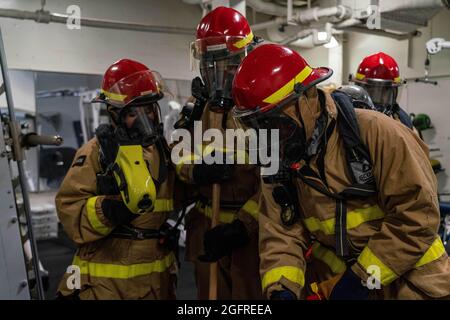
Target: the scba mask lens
pixel 141 124
pixel 290 142
pixel 218 77
pixel 218 59
pixel 383 94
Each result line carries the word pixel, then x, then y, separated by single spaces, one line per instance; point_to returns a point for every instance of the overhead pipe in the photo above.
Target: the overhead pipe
pixel 315 14
pixel 300 35
pixel 307 16
pixel 269 8
pixel 301 16
pixel 397 36
pixel 312 35
pixel 193 2
pixel 278 21
pixel 347 23
pixel 42 16
pixel 304 17
pixel 290 7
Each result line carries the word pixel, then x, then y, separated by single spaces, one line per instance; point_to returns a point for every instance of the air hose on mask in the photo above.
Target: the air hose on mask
pixel 125 170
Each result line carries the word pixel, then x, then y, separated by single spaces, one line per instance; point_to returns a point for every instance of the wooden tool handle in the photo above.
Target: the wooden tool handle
pixel 214 222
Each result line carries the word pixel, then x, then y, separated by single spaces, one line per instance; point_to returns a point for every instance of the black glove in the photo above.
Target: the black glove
pixel 169 236
pixel 193 111
pixel 199 90
pixel 211 173
pixel 349 287
pixel 283 295
pixel 117 212
pixel 222 239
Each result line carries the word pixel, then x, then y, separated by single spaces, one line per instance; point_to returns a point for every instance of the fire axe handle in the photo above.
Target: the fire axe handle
pixel 214 222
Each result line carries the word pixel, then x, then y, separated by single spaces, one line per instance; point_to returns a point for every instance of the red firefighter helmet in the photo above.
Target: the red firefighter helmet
pixel 222 32
pixel 269 77
pixel 268 80
pixel 379 67
pixel 127 81
pixel 223 39
pixel 380 76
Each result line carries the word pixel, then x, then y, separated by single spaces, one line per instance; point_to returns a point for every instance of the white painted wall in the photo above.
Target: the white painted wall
pixel 434 101
pixel 52 47
pixel 416 97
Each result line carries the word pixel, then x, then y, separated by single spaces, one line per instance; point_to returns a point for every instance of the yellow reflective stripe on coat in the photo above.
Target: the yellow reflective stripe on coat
pixel 288 88
pixel 189 159
pixel 93 218
pixel 367 258
pixel 225 216
pixel 119 271
pixel 163 205
pixel 243 42
pixel 239 156
pixel 354 219
pixel 336 264
pixel 114 96
pixel 435 251
pixel 252 208
pixel 291 273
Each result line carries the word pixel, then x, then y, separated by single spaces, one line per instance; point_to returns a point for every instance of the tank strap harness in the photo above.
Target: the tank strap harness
pixel 360 168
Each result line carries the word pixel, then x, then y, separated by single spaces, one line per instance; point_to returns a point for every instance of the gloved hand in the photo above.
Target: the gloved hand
pixel 211 173
pixel 169 236
pixel 117 212
pixel 349 287
pixel 199 90
pixel 222 239
pixel 283 295
pixel 193 111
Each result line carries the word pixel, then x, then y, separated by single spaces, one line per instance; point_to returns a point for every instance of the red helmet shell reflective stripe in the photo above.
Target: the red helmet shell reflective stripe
pixel 126 80
pixel 378 66
pixel 268 74
pixel 222 23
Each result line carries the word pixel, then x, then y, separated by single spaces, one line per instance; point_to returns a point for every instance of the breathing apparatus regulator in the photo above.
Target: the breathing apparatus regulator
pixel 131 92
pixel 193 111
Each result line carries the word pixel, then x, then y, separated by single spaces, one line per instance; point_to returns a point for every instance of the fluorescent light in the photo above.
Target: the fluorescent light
pixel 321 36
pixel 332 44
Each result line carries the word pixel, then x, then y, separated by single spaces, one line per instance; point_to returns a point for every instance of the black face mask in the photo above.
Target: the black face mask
pixel 294 148
pixel 291 137
pixel 144 130
pixel 145 133
pixel 383 96
pixel 218 76
pixel 297 147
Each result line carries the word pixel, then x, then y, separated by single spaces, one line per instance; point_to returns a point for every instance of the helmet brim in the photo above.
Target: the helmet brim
pixel 317 76
pixel 320 74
